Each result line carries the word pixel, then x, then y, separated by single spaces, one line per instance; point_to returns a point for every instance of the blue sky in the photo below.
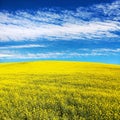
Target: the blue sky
pixel 73 30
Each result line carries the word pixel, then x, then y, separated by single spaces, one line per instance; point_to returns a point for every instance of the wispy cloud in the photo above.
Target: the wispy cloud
pixel 110 11
pixel 51 24
pixel 65 54
pixel 108 50
pixel 47 55
pixel 5 56
pixel 24 46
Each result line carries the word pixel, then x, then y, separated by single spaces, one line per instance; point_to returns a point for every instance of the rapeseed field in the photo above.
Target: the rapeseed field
pixel 56 90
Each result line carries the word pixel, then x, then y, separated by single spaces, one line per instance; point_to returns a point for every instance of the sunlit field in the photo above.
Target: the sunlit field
pixel 51 90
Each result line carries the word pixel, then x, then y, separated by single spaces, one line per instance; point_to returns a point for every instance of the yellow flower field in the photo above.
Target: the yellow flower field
pixel 56 90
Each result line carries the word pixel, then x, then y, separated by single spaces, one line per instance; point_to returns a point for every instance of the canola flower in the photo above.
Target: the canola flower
pixel 51 90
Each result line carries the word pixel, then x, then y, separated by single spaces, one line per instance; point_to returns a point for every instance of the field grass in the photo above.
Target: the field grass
pixel 54 90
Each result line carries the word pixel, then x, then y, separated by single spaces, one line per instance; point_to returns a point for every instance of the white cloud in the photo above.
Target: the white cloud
pixel 117 50
pixel 100 50
pixel 5 56
pixel 75 54
pixel 65 54
pixel 32 55
pixel 112 10
pixel 62 25
pixel 24 46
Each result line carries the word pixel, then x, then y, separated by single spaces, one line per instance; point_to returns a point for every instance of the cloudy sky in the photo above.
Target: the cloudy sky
pixel 76 30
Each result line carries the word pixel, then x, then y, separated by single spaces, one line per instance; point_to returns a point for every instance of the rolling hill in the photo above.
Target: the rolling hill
pixel 58 90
